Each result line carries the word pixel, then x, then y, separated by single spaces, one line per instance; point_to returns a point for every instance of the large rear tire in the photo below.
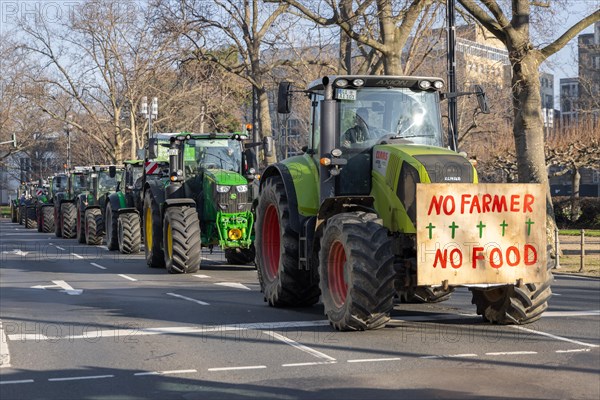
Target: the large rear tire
pixel 30 217
pixel 281 281
pixel 155 257
pixel 94 227
pixel 182 242
pixel 47 219
pixel 356 272
pixel 129 233
pixel 514 304
pixel 69 220
pixel 111 221
pixel 237 256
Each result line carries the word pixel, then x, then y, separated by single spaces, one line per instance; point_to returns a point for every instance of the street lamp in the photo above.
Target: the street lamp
pixel 149 115
pixel 68 132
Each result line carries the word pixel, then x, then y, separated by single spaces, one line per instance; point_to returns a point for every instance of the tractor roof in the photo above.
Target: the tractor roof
pixel 385 81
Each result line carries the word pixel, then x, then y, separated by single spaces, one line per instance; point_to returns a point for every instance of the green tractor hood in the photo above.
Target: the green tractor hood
pixel 223 177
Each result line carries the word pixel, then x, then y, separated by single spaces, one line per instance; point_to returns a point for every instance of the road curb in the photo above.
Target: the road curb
pixel 574 274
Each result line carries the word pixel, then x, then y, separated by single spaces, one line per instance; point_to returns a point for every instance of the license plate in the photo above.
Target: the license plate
pixel 345 94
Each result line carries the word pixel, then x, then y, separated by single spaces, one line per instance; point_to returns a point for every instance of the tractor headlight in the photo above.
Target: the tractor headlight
pixel 241 188
pixel 223 188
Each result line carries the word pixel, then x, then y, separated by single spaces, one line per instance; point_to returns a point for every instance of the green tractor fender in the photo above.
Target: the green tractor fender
pixel 117 201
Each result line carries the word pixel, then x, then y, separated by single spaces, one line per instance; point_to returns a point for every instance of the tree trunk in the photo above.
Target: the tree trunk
pixel 575 181
pixel 264 123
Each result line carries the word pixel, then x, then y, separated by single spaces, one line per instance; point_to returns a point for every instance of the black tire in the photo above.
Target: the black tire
pixel 47 219
pixel 182 242
pixel 155 257
pixel 425 294
pixel 13 213
pixel 238 256
pixel 68 220
pixel 129 233
pixel 356 272
pixel 21 214
pixel 57 221
pixel 281 281
pixel 111 218
pixel 80 230
pixel 30 217
pixel 94 227
pixel 40 219
pixel 513 304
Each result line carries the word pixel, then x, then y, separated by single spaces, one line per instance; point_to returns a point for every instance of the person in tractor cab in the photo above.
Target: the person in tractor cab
pixel 360 131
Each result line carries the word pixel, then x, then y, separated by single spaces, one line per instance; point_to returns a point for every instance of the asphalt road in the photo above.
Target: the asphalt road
pixel 80 322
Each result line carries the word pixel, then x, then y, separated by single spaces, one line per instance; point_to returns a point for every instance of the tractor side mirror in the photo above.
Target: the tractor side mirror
pixel 152 148
pixel 482 99
pixel 284 105
pixel 140 153
pixel 268 145
pixel 112 171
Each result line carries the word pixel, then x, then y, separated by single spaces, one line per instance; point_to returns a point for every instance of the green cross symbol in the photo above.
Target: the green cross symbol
pixel 503 225
pixel 453 227
pixel 430 227
pixel 481 225
pixel 529 223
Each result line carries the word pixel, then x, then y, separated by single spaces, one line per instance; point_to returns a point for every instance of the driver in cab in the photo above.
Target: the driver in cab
pixel 360 131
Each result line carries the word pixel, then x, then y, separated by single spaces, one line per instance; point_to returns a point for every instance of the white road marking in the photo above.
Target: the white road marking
pixel 510 353
pixel 62 285
pixel 233 285
pixel 19 381
pixel 128 277
pixel 173 372
pixel 98 266
pixel 556 294
pixel 16 252
pixel 79 378
pixel 570 313
pixel 4 353
pixel 299 346
pixel 573 351
pixel 202 303
pixel 564 339
pixel 450 356
pixel 60 248
pixel 309 363
pixel 77 255
pixel 360 360
pixel 237 368
pixel 202 276
pixel 103 247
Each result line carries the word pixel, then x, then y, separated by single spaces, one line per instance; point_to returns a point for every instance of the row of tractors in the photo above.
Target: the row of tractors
pixel 377 209
pixel 190 191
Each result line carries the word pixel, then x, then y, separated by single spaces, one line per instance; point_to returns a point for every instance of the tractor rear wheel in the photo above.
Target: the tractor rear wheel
pixel 426 294
pixel 356 272
pixel 30 217
pixel 514 304
pixel 94 227
pixel 238 256
pixel 281 281
pixel 182 243
pixel 57 221
pixel 129 233
pixel 111 222
pixel 68 220
pixel 47 219
pixel 155 256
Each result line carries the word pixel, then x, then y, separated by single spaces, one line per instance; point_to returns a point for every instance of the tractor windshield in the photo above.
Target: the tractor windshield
pixel 222 154
pixel 80 183
pixel 58 184
pixel 106 183
pixel 377 113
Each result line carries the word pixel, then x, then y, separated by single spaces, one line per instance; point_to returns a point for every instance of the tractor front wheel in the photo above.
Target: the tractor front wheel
pixel 111 228
pixel 356 272
pixel 281 281
pixel 30 217
pixel 182 243
pixel 57 221
pixel 94 227
pixel 13 213
pixel 129 233
pixel 80 223
pixel 68 220
pixel 155 256
pixel 47 219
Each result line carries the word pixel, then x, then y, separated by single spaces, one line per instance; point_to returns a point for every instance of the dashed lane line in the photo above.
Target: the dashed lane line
pixel 77 255
pixel 237 368
pixel 98 266
pixel 307 364
pixel 79 378
pixel 363 360
pixel 16 381
pixel 574 351
pixel 511 353
pixel 173 372
pixel 127 277
pixel 60 248
pixel 555 337
pixel 202 276
pixel 299 346
pixel 202 303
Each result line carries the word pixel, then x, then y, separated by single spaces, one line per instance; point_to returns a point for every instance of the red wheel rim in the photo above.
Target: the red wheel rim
pixel 271 242
pixel 338 288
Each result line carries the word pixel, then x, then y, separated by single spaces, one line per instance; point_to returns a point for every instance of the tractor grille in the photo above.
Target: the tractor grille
pixel 447 169
pixel 232 201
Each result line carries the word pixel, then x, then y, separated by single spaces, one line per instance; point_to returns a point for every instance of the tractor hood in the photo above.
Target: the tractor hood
pixel 223 177
pixel 434 164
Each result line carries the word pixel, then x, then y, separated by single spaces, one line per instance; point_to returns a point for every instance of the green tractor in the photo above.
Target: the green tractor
pixel 27 204
pixel 45 205
pixel 205 201
pixel 340 221
pixel 123 208
pixel 91 203
pixel 65 211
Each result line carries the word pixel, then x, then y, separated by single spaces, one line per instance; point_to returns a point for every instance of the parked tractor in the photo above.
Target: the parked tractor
pixel 377 208
pixel 65 210
pixel 205 202
pixel 27 200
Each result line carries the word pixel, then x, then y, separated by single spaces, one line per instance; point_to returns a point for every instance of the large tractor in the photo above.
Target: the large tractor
pixel 45 203
pixel 65 209
pixel 91 203
pixel 371 212
pixel 27 204
pixel 205 202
